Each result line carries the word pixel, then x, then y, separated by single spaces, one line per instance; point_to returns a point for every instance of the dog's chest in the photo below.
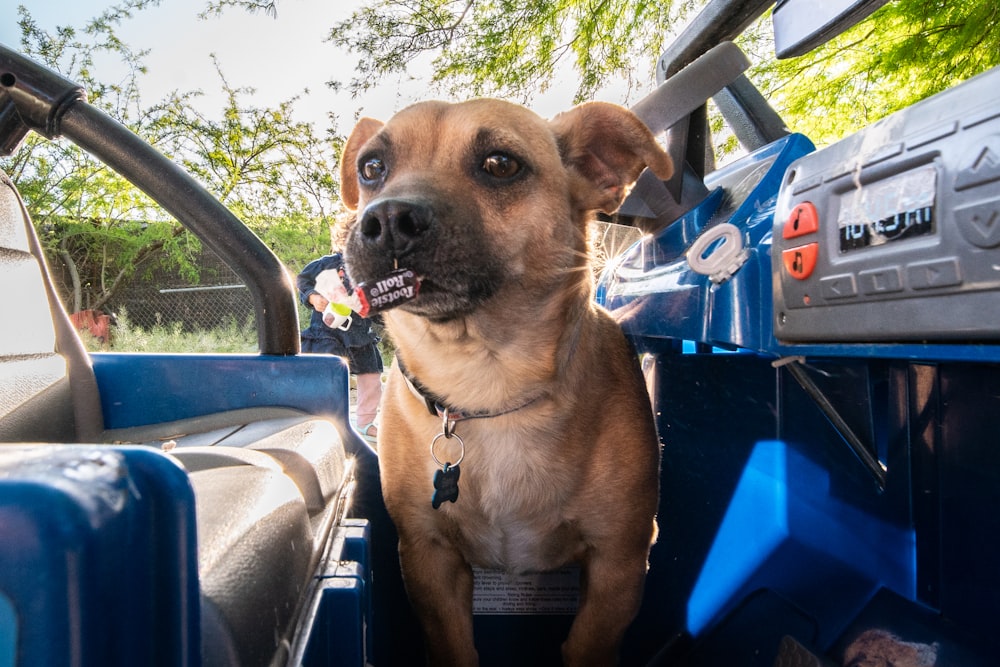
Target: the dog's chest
pixel 512 508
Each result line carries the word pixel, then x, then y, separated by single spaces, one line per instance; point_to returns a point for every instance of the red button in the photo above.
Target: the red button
pixel 800 262
pixel 803 220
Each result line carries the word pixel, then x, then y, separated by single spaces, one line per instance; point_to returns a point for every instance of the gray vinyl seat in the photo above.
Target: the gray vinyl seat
pixel 267 481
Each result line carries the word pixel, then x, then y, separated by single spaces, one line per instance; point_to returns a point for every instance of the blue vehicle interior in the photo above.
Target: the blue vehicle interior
pixel 816 328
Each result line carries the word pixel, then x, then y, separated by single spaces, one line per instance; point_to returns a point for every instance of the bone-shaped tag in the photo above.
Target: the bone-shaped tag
pixel 445 485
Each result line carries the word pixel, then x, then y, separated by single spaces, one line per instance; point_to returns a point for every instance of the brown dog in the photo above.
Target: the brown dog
pixel 504 362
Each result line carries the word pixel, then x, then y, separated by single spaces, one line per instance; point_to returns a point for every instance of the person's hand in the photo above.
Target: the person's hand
pixel 318 302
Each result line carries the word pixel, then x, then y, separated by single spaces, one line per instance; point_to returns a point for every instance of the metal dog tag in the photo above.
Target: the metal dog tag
pixel 446 479
pixel 445 485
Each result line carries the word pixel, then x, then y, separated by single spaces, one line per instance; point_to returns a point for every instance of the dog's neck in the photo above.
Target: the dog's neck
pixel 441 407
pixel 489 363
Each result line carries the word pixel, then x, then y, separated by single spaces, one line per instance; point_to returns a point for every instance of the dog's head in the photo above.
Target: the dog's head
pixel 484 194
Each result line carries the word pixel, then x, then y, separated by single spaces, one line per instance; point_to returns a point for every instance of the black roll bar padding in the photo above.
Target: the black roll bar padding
pixel 678 105
pixel 718 21
pixel 754 122
pixel 36 93
pixel 702 63
pixel 12 128
pixel 687 90
pixel 691 142
pixel 746 111
pixel 51 105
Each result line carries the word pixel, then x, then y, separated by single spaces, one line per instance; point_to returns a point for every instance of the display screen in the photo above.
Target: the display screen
pixel 894 209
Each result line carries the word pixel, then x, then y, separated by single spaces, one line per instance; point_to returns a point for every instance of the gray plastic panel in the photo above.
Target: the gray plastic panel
pixel 907 242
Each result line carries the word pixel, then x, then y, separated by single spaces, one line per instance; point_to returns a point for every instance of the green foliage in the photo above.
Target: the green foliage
pixel 906 51
pixel 100 232
pixel 297 241
pixel 509 47
pixel 258 161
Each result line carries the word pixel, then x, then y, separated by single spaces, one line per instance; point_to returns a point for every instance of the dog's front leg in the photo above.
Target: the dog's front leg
pixel 439 584
pixel 610 594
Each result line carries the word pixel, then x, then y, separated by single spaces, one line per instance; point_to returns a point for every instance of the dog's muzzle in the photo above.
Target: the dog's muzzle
pixel 395 226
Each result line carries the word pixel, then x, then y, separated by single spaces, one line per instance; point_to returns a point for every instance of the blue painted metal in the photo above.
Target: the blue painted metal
pixel 9 630
pixel 339 625
pixel 654 292
pixel 784 530
pixel 98 560
pixel 140 389
pixel 770 524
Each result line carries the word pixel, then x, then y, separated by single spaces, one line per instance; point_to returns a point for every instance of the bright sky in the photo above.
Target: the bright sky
pixel 279 57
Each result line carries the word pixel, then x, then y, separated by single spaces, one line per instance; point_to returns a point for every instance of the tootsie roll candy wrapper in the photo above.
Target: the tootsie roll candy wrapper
pixel 394 289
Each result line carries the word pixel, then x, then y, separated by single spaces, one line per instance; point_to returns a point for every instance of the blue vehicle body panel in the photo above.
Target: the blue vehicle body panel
pixel 92 536
pixel 138 389
pixel 654 292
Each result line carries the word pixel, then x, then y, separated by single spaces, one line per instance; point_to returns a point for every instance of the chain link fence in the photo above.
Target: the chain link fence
pixel 192 308
pixel 219 300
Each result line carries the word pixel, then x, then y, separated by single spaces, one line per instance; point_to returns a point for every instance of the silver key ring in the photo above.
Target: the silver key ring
pixel 461 444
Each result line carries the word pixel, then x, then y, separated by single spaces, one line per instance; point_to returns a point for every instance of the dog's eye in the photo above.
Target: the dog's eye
pixel 372 169
pixel 501 165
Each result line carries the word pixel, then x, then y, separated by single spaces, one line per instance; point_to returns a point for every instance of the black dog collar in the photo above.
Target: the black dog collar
pixel 438 408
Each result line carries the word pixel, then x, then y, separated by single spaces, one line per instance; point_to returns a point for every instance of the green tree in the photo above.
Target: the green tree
pixel 92 222
pixel 904 52
pixel 273 172
pixel 907 50
pixel 510 47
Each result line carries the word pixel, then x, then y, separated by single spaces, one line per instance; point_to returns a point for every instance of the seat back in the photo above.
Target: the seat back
pixel 48 392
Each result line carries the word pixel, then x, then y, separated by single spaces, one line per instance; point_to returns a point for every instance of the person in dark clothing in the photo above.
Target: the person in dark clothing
pixel 321 282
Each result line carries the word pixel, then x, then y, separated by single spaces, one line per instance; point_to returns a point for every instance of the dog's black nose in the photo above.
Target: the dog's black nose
pixel 395 225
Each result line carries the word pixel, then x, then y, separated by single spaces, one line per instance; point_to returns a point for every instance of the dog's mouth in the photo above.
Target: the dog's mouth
pixel 444 300
pixel 444 294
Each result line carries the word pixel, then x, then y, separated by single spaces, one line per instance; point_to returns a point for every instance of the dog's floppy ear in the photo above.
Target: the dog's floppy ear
pixel 362 132
pixel 609 146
